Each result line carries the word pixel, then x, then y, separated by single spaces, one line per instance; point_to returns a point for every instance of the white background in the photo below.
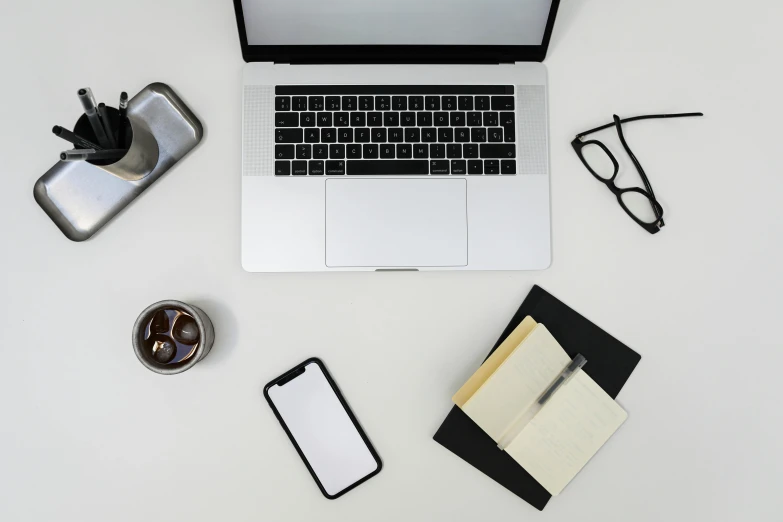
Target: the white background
pixel 88 434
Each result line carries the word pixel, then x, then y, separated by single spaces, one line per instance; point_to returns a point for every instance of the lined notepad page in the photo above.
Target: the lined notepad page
pixel 517 383
pixel 570 428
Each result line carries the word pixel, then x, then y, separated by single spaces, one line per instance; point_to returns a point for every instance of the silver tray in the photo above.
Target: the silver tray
pixel 81 198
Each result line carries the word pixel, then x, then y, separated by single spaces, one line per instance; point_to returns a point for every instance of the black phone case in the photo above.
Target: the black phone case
pixel 292 374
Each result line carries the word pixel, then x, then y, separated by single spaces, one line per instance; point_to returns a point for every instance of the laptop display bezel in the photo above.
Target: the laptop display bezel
pixel 318 54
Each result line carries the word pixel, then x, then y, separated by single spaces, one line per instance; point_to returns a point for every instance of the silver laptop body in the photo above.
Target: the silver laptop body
pixel 382 166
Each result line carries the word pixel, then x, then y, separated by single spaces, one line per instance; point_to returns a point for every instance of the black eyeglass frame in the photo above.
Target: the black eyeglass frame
pixel 579 143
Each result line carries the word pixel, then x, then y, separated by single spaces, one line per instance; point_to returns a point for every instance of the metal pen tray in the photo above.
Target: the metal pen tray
pixel 81 197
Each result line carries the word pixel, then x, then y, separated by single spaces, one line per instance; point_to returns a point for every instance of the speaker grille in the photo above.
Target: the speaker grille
pixel 258 127
pixel 533 151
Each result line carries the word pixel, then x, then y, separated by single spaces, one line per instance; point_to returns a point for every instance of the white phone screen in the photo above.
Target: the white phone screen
pixel 320 426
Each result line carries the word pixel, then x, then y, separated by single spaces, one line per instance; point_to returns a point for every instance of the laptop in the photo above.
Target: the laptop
pixel 395 134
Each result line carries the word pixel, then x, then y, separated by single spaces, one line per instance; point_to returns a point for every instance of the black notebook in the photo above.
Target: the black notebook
pixel 610 365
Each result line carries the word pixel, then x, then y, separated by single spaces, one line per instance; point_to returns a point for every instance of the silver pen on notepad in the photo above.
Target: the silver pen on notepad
pixel 519 424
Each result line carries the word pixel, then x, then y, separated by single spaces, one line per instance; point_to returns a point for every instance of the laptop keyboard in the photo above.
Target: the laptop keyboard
pixel 437 130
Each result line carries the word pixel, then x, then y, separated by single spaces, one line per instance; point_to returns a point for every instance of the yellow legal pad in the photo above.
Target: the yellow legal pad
pixel 552 441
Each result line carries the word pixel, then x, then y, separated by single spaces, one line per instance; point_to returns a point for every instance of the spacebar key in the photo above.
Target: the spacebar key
pixel 387 168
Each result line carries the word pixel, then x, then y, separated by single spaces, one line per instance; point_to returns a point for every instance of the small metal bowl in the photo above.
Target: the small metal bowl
pixel 206 337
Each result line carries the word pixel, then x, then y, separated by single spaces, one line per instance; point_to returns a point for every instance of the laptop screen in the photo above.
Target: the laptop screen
pixel 395 22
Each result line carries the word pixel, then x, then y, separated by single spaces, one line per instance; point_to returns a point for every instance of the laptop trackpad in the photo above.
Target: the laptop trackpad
pixel 396 222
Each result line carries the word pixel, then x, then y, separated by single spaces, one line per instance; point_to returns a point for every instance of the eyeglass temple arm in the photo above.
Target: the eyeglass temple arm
pixel 645 117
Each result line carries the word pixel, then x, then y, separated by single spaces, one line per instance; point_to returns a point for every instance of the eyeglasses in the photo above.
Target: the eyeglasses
pixel 639 203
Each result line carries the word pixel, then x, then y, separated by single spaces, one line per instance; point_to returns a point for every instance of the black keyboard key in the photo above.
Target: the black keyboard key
pixel 416 103
pixel 341 119
pixel 282 168
pixel 349 103
pixel 492 166
pixel 316 168
pixel 284 152
pixel 490 119
pixel 474 119
pixel 391 119
pixel 299 168
pixel 335 168
pixel 358 119
pixel 462 135
pixel 478 135
pixel 432 103
pixel 408 119
pixel 495 135
pixel 439 167
pixel 396 135
pixel 383 103
pixel 482 104
pixel 337 151
pixel 307 119
pixel 328 135
pixel 404 150
pixel 379 135
pixel 475 167
pixel 304 151
pixel 457 119
pixel 446 135
pixel 459 167
pixel 470 150
pixel 366 103
pixel 362 135
pixel 300 103
pixel 353 151
pixel 412 135
pixel 424 119
pixel 502 103
pixel 287 119
pixel 508 167
pixel 312 135
pixel 375 119
pixel 345 135
pixel 449 103
pixel 437 150
pixel 421 151
pixel 370 151
pixel 387 151
pixel 507 121
pixel 453 150
pixel 465 103
pixel 498 151
pixel 429 135
pixel 320 151
pixel 282 103
pixel 387 168
pixel 289 135
pixel 332 103
pixel 324 119
pixel 316 103
pixel 441 119
pixel 400 103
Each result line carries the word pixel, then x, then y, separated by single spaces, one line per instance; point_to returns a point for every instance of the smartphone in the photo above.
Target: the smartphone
pixel 322 428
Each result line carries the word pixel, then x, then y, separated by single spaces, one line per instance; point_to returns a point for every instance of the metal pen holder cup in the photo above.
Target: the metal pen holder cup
pixel 81 197
pixel 142 155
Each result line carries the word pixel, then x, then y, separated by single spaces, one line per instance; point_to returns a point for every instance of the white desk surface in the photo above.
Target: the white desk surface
pixel 88 434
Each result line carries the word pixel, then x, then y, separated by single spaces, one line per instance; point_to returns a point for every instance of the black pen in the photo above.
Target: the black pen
pixel 73 138
pixel 90 109
pixel 92 154
pixel 103 112
pixel 123 115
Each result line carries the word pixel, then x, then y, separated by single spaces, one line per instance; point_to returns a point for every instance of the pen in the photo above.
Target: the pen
pixel 92 154
pixel 121 126
pixel 103 112
pixel 75 139
pixel 520 422
pixel 90 109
